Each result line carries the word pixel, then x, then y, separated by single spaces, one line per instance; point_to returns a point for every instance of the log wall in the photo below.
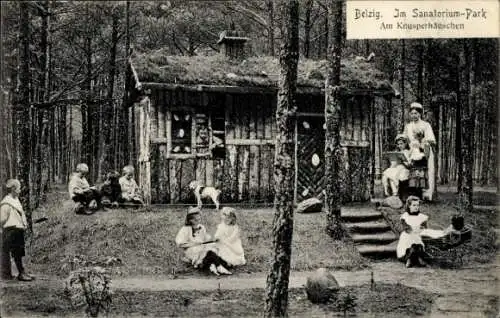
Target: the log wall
pixel 246 172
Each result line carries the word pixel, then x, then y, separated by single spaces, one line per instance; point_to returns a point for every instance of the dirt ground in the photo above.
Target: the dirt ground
pixel 396 292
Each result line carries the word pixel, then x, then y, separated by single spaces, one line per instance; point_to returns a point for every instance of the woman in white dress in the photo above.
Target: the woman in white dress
pixel 228 239
pixel 421 139
pixel 199 249
pixel 410 248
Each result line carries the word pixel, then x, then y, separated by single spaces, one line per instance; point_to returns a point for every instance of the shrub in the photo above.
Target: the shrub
pixel 89 287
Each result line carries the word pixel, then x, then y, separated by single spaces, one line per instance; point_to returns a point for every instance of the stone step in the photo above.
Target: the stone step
pixel 377 250
pixel 378 238
pixel 368 227
pixel 360 215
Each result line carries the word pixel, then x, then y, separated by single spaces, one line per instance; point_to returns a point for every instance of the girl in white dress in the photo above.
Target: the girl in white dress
pixel 199 249
pixel 398 170
pixel 228 239
pixel 410 248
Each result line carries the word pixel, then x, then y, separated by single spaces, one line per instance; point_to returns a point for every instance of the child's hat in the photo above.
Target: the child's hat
pixel 416 106
pixel 412 198
pixel 401 137
pixel 193 210
pixel 227 210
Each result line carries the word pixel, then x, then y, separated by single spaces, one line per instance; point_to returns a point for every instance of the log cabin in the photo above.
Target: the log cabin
pixel 212 119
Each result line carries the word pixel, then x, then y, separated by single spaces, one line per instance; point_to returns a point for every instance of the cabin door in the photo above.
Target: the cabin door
pixel 310 178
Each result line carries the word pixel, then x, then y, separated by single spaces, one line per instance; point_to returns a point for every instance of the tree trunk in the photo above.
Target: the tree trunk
pixel 333 113
pixel 124 135
pixel 420 72
pixel 432 115
pixel 87 107
pixel 22 113
pixel 402 83
pixel 270 27
pixel 485 155
pixel 307 28
pixel 105 133
pixel 326 31
pixel 467 82
pixel 458 123
pixel 277 280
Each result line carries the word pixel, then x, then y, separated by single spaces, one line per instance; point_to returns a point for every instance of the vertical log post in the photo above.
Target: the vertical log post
pixel 144 148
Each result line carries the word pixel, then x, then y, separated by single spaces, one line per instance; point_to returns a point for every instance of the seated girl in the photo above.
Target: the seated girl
pixel 199 249
pixel 130 190
pixel 81 192
pixel 410 248
pixel 398 171
pixel 228 239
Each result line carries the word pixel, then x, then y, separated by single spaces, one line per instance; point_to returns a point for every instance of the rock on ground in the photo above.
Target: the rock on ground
pixel 321 286
pixel 309 206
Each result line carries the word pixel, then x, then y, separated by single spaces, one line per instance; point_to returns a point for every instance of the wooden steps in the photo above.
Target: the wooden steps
pixel 373 250
pixel 370 232
pixel 377 238
pixel 368 227
pixel 361 215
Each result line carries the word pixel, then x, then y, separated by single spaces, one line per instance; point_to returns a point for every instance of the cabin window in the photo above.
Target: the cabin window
pixel 218 125
pixel 197 134
pixel 181 132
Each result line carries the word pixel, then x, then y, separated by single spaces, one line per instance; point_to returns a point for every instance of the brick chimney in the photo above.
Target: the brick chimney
pixel 232 44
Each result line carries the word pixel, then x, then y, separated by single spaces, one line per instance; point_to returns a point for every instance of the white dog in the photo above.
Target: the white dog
pixel 201 192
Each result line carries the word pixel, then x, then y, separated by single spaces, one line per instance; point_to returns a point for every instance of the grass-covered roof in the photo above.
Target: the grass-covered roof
pixel 157 67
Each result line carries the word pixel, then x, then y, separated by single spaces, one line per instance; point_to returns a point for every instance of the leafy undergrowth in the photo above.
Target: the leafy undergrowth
pixel 143 240
pixel 483 246
pixel 385 300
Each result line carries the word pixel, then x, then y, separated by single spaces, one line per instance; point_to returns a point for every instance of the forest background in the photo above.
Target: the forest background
pixel 64 64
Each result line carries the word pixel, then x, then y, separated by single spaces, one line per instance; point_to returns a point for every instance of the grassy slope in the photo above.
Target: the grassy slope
pixel 144 240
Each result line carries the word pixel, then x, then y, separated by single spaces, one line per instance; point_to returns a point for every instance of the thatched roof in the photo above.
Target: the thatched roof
pixel 156 67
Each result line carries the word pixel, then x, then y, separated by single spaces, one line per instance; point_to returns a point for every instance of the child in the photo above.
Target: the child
pixel 457 224
pixel 198 247
pixel 398 170
pixel 81 192
pixel 130 189
pixel 111 190
pixel 410 248
pixel 418 150
pixel 13 221
pixel 228 239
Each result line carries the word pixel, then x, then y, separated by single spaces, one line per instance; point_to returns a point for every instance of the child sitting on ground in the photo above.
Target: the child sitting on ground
pixel 111 190
pixel 82 193
pixel 130 190
pixel 228 239
pixel 410 248
pixel 13 222
pixel 199 249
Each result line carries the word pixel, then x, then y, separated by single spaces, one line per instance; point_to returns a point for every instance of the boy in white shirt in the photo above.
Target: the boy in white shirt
pixel 14 224
pixel 81 192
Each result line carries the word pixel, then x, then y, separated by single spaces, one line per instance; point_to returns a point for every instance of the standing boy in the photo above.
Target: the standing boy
pixel 13 223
